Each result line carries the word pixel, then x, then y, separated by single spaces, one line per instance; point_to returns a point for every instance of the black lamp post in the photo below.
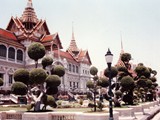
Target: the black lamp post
pixel 109 58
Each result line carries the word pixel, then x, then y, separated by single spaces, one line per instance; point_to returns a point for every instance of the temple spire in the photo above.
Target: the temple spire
pixel 120 62
pixel 122 50
pixel 29 17
pixel 73 32
pixel 29 4
pixel 73 46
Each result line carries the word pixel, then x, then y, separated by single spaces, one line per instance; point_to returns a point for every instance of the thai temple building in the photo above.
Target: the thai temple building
pixel 21 32
pixel 120 62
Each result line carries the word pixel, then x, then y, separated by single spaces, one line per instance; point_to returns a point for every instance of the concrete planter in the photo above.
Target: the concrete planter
pixel 36 116
pixel 96 116
pixel 125 112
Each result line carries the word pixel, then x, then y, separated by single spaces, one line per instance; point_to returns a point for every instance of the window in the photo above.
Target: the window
pixel 77 84
pixel 70 67
pixel 77 71
pixel 73 68
pixel 3 51
pixel 70 84
pixel 74 85
pixel 19 55
pixel 10 79
pixel 11 53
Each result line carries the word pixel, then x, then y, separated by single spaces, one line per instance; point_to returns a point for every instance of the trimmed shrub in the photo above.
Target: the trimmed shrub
pixel 58 70
pixel 126 57
pixel 47 61
pixel 149 83
pixel 154 79
pixel 49 101
pixel 90 84
pixel 53 80
pixel 127 83
pixel 104 82
pixel 37 75
pixel 114 72
pixel 36 51
pixel 21 75
pixel 19 88
pixel 93 70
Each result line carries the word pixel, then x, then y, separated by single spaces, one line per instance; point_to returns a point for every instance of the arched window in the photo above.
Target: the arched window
pixel 70 67
pixel 73 68
pixel 11 53
pixel 77 71
pixel 19 55
pixel 3 52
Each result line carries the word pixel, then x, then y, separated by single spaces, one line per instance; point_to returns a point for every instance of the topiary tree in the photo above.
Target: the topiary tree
pixel 128 85
pixel 46 61
pixel 114 72
pixel 37 76
pixel 21 75
pixel 36 51
pixel 93 84
pixel 58 70
pixel 36 83
pixel 19 88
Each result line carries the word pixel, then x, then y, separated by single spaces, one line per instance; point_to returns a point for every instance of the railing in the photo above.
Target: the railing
pixel 11 116
pixel 63 117
pixel 14 98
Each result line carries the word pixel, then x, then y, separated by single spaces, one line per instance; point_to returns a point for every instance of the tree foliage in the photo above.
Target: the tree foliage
pixel 58 70
pixel 37 75
pixel 36 51
pixel 21 75
pixel 39 83
pixel 19 88
pixel 53 80
pixel 46 61
pixel 127 83
pixel 93 70
pixel 113 73
pixel 126 57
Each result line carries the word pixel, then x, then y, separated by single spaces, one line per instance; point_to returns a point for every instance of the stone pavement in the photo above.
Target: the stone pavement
pixel 145 111
pixel 148 114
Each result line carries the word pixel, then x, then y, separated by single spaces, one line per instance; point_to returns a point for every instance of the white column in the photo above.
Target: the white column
pixel 26 43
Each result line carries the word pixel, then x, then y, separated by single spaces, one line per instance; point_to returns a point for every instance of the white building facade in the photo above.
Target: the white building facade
pixel 21 32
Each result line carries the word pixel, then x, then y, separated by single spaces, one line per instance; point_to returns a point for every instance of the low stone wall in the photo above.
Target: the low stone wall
pixel 96 116
pixel 127 112
pixel 137 108
pixel 13 115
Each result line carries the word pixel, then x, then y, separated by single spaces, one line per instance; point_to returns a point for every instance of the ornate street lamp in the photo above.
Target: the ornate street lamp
pixel 109 58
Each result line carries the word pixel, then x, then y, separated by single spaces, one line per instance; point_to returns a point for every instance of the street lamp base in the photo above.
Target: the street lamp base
pixel 111 118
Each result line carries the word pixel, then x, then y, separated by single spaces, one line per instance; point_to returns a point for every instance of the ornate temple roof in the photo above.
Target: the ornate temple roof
pixel 73 46
pixel 29 14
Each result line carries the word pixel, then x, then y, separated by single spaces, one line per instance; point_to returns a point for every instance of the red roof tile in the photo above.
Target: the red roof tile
pixel 64 55
pixel 7 34
pixel 48 38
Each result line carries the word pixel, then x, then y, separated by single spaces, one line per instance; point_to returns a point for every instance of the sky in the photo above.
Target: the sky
pixel 99 25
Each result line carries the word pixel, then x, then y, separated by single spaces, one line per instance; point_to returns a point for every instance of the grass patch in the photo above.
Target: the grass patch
pixel 12 107
pixel 24 109
pixel 71 109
